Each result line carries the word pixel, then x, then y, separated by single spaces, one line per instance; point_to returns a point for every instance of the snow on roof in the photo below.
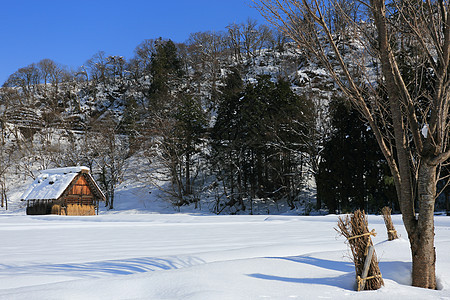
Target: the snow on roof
pixel 65 170
pixel 51 183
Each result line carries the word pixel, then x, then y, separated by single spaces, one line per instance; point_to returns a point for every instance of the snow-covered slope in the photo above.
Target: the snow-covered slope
pixel 148 256
pixel 84 104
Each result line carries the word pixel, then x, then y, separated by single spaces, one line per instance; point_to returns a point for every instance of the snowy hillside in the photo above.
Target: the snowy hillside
pixel 107 123
pixel 135 195
pixel 152 256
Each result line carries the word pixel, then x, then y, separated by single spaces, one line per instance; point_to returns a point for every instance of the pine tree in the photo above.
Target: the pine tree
pixel 166 73
pixel 224 139
pixel 353 173
pixel 258 136
pixel 190 123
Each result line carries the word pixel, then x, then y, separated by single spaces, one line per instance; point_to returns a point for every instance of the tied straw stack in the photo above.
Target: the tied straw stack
pixel 355 229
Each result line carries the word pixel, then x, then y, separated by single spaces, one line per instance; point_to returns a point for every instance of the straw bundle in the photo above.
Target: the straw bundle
pixel 80 210
pixel 392 233
pixel 56 209
pixel 355 229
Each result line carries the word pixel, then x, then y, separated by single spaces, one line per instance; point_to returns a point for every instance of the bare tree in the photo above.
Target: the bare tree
pixel 205 50
pixel 53 73
pixel 164 160
pixel 97 66
pixel 410 121
pixel 140 64
pixel 46 67
pixel 26 78
pixel 250 37
pixel 278 40
pixel 111 151
pixel 116 66
pixel 234 40
pixel 205 56
pixel 254 38
pixel 6 162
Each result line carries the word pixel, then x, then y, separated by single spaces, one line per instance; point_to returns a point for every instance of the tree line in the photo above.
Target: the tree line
pixel 225 116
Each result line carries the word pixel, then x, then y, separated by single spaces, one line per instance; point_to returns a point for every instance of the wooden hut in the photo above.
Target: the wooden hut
pixel 63 191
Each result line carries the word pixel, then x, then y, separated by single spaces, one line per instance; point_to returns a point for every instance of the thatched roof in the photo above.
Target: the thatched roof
pixel 51 183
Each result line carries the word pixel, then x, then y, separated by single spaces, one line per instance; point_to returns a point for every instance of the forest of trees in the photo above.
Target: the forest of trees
pixel 398 83
pixel 239 118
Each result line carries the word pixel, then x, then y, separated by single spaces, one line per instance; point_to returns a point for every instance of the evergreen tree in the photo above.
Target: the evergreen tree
pixel 258 137
pixel 224 139
pixel 176 119
pixel 166 73
pixel 130 122
pixel 352 173
pixel 190 123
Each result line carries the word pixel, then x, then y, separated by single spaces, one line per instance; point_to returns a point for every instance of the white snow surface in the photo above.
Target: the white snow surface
pixel 425 130
pixel 146 249
pixel 51 183
pixel 65 170
pixel 188 256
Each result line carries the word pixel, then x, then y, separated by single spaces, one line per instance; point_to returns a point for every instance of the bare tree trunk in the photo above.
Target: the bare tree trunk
pixel 2 194
pixel 231 177
pixel 111 200
pixel 422 242
pixel 188 173
pixel 420 230
pixel 447 201
pixel 241 181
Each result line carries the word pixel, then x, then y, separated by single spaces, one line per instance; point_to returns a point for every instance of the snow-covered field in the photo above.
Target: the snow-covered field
pixel 187 256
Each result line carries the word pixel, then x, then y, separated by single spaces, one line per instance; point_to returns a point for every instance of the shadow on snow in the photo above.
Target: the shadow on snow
pixel 397 271
pixel 102 268
pixel 345 281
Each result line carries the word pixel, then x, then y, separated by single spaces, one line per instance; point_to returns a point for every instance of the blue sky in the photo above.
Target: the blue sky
pixel 70 32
